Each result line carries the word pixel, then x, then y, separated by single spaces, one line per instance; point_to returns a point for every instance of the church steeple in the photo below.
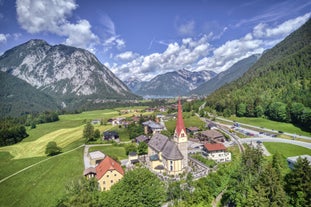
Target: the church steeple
pixel 180 126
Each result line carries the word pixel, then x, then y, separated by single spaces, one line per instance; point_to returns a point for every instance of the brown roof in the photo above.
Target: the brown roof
pixel 106 165
pixel 212 134
pixel 193 128
pixel 214 147
pixel 90 170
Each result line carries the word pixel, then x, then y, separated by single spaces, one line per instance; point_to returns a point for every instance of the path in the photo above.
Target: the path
pixel 30 166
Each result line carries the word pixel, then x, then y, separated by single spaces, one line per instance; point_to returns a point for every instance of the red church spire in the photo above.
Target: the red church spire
pixel 180 122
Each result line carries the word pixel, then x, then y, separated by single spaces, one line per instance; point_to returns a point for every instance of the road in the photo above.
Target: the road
pixel 265 129
pixel 299 143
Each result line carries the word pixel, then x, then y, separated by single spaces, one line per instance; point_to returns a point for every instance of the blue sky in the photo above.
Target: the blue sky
pixel 143 38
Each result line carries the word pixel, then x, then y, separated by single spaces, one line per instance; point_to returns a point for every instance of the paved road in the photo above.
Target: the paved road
pixel 265 129
pixel 299 143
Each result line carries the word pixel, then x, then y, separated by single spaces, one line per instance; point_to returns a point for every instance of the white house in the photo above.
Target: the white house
pixel 217 152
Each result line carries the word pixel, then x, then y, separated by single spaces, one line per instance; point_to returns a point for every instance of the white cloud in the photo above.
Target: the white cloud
pixel 199 54
pixel 3 38
pixel 186 28
pixel 263 30
pixel 51 16
pixel 114 41
pixel 126 56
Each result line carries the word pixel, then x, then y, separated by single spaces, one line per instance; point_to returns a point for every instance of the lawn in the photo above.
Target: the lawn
pixel 189 120
pixel 287 150
pixel 269 124
pixel 43 184
pixel 36 148
pixel 112 150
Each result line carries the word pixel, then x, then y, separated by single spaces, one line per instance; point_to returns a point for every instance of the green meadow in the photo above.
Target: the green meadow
pixel 44 183
pixel 269 124
pixel 287 150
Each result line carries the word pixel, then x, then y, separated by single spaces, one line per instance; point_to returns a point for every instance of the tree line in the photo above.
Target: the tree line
pixel 13 130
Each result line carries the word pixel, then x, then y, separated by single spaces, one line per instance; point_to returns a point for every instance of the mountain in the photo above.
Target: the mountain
pixel 174 83
pixel 279 80
pixel 227 76
pixel 68 74
pixel 134 84
pixel 17 97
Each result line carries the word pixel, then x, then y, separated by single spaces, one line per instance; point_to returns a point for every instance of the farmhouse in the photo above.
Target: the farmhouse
pixel 152 127
pixel 96 157
pixel 111 135
pixel 169 156
pixel 217 152
pixel 212 136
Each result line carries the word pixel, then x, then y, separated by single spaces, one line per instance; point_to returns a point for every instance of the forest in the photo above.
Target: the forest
pixel 277 86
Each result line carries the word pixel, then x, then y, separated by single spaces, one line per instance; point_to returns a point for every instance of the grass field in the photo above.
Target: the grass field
pixel 190 121
pixel 287 150
pixel 43 184
pixel 269 124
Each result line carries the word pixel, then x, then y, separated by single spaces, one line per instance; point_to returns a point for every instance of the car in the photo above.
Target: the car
pixel 259 142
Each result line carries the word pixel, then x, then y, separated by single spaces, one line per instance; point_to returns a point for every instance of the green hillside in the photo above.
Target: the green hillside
pixel 18 97
pixel 277 85
pixel 233 73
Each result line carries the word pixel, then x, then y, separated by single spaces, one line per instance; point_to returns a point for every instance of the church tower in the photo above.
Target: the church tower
pixel 180 136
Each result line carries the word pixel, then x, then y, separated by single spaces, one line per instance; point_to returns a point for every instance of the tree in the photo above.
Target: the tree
pixel 88 132
pixel 130 148
pixel 138 187
pixel 241 109
pixel 298 183
pixel 81 192
pixel 277 111
pixel 52 149
pixel 96 134
pixel 142 148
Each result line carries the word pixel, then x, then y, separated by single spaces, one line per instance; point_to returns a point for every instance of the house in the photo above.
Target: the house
pixel 95 122
pixel 108 172
pixel 169 155
pixel 152 127
pixel 133 157
pixel 96 157
pixel 111 135
pixel 212 135
pixel 118 121
pixel 89 172
pixel 217 152
pixel 142 138
pixel 292 160
pixel 192 130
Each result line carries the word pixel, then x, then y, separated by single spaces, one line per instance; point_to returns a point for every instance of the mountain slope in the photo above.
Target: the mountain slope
pixel 174 83
pixel 282 74
pixel 17 97
pixel 233 73
pixel 65 73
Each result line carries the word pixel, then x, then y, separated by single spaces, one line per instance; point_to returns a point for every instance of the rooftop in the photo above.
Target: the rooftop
pixel 107 164
pixel 214 147
pixel 97 155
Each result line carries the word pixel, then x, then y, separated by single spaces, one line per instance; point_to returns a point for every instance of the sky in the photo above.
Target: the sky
pixel 143 38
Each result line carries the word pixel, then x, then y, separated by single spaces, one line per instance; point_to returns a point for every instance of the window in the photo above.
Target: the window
pixel 111 181
pixel 104 182
pixel 115 175
pixel 107 176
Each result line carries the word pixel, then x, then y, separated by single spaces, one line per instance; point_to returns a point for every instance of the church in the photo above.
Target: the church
pixel 170 155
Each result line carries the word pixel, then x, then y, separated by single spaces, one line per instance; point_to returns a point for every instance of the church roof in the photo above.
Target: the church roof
pixel 180 122
pixel 171 151
pixel 157 142
pixel 107 164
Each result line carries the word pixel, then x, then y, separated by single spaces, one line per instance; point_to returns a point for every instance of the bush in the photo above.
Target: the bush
pixel 52 149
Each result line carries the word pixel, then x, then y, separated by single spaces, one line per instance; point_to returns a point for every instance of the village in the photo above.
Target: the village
pixel 170 158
